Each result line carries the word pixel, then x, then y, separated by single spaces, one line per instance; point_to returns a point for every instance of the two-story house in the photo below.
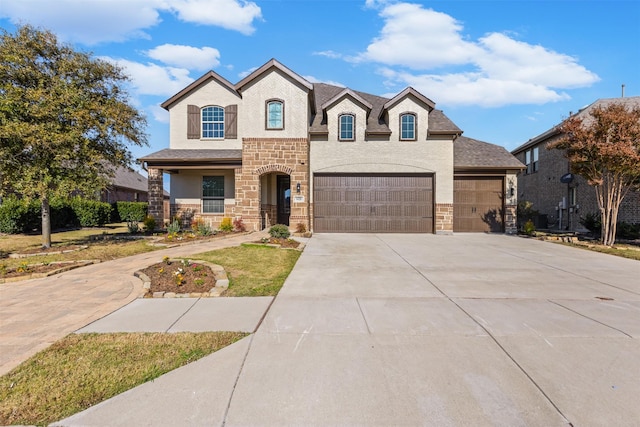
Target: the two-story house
pixel 275 148
pixel 561 197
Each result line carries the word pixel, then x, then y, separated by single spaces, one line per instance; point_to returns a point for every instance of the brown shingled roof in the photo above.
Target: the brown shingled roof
pixel 470 153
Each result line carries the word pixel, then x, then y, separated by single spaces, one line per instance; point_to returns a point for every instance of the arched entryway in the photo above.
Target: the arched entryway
pixel 275 199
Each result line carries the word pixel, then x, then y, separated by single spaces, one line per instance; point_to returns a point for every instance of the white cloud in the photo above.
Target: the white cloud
pixel 193 58
pixel 418 38
pixel 313 79
pixel 475 89
pixel 245 73
pixel 231 14
pixel 96 21
pixel 153 79
pixel 495 70
pixel 159 114
pixel 329 54
pixel 88 22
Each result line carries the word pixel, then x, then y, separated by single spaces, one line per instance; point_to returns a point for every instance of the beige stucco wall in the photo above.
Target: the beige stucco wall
pixel 188 185
pixel 346 106
pixel 211 93
pixel 408 105
pixel 273 85
pixel 431 156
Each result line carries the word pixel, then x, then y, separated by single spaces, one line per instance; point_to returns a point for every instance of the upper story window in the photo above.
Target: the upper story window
pixel 408 127
pixel 531 160
pixel 212 122
pixel 275 114
pixel 346 131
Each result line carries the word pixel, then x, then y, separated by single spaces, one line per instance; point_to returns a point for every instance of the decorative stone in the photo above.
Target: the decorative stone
pixel 170 295
pixel 158 294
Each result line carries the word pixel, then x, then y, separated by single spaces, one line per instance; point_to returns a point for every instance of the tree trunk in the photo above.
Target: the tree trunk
pixel 46 223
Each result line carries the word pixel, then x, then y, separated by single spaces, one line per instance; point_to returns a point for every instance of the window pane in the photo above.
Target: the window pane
pixel 346 127
pixel 212 206
pixel 274 118
pixel 213 122
pixel 407 126
pixel 213 186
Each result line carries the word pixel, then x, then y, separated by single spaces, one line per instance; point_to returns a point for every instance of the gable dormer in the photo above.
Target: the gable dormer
pixel 407 115
pixel 346 115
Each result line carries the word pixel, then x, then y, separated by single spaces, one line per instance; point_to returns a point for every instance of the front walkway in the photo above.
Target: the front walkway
pixel 36 313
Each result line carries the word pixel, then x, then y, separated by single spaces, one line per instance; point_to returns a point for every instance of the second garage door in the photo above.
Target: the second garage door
pixel 373 203
pixel 477 204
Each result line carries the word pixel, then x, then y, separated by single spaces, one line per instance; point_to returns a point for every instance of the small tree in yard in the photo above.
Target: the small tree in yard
pixel 605 149
pixel 65 119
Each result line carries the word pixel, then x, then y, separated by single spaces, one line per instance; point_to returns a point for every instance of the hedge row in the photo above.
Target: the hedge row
pixel 129 211
pixel 19 216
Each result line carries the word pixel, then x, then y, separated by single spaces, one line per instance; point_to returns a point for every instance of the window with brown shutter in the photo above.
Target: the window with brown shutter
pixel 231 122
pixel 193 122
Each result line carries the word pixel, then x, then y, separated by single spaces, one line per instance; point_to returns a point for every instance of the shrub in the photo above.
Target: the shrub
pixel 62 214
pixel 628 231
pixel 591 221
pixel 201 228
pixel 279 231
pixel 174 227
pixel 149 223
pixel 12 213
pixel 238 225
pixel 131 211
pixel 226 225
pixel 301 228
pixel 525 213
pixel 91 213
pixel 529 228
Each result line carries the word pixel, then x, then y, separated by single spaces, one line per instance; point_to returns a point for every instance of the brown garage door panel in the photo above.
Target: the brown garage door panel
pixel 373 203
pixel 478 204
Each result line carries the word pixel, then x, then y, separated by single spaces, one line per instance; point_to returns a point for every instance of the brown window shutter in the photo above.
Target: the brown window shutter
pixel 231 121
pixel 193 122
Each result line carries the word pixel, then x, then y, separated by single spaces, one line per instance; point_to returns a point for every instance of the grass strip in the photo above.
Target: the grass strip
pixel 82 370
pixel 253 270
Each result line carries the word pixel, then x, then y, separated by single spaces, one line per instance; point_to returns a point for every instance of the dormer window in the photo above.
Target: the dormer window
pixel 346 123
pixel 212 122
pixel 408 127
pixel 275 114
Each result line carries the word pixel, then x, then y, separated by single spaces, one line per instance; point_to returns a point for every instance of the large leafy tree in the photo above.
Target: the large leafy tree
pixel 604 148
pixel 66 120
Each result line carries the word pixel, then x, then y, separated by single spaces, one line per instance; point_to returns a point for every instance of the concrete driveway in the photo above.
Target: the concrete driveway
pixel 470 329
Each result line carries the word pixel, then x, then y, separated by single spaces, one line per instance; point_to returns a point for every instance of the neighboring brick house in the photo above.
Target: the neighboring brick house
pixel 275 148
pixel 126 185
pixel 562 204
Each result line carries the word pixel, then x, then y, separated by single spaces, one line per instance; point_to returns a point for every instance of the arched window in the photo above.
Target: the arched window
pixel 212 122
pixel 275 114
pixel 347 129
pixel 408 127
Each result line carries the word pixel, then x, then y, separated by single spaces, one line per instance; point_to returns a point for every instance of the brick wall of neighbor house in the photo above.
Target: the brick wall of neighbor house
pixel 544 189
pixel 156 195
pixel 120 194
pixel 261 156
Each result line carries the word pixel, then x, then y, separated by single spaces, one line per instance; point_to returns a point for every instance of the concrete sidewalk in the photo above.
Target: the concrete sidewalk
pixel 469 329
pixel 36 313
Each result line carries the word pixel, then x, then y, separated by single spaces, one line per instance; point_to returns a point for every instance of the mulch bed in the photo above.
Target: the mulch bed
pixel 284 243
pixel 196 277
pixel 39 270
pixel 190 237
pixel 52 250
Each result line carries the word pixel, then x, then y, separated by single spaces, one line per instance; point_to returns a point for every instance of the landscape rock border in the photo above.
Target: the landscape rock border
pixel 64 266
pixel 222 283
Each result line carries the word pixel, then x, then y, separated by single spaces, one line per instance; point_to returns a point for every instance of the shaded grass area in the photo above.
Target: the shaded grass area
pixel 625 251
pixel 102 250
pixel 253 270
pixel 82 370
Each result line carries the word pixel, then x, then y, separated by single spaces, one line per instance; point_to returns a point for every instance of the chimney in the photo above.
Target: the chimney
pixel 623 90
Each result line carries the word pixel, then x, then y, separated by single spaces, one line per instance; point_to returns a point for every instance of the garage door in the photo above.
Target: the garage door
pixel 373 203
pixel 477 204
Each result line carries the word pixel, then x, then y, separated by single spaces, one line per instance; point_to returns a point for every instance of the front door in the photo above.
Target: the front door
pixel 284 199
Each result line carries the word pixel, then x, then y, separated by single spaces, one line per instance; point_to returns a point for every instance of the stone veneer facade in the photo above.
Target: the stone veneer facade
pixel 444 218
pixel 262 156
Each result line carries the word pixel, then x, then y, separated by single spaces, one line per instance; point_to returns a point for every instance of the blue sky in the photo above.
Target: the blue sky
pixel 503 71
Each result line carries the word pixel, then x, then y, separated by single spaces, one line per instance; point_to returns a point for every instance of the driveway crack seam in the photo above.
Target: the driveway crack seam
pixel 495 340
pixel 235 384
pixel 590 318
pixel 182 315
pixel 363 316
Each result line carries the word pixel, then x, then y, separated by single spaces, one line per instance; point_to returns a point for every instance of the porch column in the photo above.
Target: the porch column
pixel 156 196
